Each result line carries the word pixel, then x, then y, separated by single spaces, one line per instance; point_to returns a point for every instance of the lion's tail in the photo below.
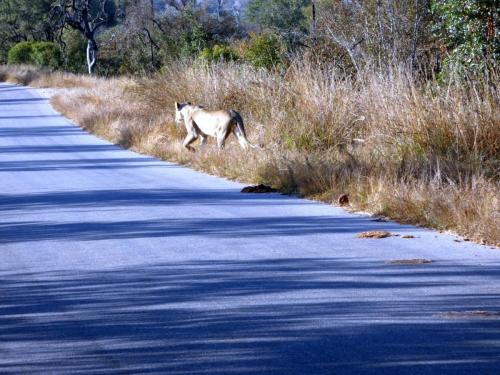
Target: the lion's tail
pixel 242 138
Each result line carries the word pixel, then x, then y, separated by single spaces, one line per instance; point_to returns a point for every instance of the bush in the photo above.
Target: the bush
pixel 20 53
pixel 193 41
pixel 264 51
pixel 218 53
pixel 45 54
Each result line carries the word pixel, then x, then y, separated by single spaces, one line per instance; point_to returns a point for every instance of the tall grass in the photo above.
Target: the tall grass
pixel 417 152
pixel 43 78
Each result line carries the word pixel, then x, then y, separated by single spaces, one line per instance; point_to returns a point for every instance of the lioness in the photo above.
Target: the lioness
pixel 201 122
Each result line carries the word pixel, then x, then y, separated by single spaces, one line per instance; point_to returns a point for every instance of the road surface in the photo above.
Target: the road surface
pixel 117 263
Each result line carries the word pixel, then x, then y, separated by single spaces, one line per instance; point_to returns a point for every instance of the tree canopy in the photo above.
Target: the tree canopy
pixel 137 36
pixel 470 30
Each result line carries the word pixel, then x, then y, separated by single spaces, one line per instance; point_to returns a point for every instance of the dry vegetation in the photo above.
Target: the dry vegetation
pixel 426 155
pixel 42 78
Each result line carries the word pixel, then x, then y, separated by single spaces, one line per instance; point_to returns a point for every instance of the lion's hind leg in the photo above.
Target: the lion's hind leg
pixel 221 141
pixel 203 140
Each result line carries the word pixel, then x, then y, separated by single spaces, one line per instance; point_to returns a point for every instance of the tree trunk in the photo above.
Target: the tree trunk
pixel 91 55
pixel 219 9
pixel 414 42
pixel 314 21
pixel 381 35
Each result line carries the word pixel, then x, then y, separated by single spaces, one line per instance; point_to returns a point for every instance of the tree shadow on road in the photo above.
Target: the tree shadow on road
pixel 287 316
pixel 234 227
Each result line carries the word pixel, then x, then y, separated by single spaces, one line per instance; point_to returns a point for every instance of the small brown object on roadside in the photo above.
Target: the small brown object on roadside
pixel 374 234
pixel 343 199
pixel 409 261
pixel 258 189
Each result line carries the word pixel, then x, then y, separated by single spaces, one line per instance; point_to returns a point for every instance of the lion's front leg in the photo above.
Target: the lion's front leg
pixel 191 134
pixel 190 138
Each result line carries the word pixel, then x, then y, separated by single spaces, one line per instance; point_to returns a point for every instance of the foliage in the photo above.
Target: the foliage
pixel 283 17
pixel 470 30
pixel 193 41
pixel 20 53
pixel 264 51
pixel 141 36
pixel 218 53
pixel 277 15
pixel 74 46
pixel 46 54
pixel 22 20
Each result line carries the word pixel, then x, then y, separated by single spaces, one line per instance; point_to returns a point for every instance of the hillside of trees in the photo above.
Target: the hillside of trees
pixel 142 36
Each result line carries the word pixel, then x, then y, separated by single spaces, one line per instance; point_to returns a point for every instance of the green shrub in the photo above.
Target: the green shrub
pixel 46 54
pixel 20 53
pixel 192 42
pixel 264 51
pixel 218 53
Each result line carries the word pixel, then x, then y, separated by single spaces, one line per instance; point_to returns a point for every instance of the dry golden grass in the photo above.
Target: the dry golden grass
pixel 41 78
pixel 422 154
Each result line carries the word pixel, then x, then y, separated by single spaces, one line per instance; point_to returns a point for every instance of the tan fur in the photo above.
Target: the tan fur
pixel 202 123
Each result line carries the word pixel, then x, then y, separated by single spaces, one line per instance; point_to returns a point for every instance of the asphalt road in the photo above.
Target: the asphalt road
pixel 113 262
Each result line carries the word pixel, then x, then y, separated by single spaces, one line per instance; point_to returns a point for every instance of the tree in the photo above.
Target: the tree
pixel 381 32
pixel 186 32
pixel 264 51
pixel 139 24
pixel 87 17
pixel 23 20
pixel 180 5
pixel 470 30
pixel 74 46
pixel 283 17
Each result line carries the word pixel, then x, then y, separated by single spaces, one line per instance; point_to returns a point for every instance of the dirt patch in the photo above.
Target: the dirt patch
pixel 475 314
pixel 409 261
pixel 408 236
pixel 258 189
pixel 374 234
